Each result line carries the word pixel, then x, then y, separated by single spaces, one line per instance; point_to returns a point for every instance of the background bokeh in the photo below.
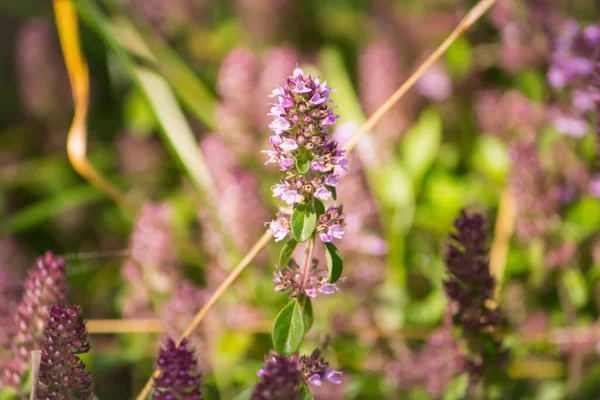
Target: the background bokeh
pixel 489 117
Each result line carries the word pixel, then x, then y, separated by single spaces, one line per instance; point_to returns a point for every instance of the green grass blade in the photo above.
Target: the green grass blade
pixel 131 50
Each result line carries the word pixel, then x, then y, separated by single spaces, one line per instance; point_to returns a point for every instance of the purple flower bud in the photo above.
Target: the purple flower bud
pixel 62 374
pixel 280 379
pixel 179 378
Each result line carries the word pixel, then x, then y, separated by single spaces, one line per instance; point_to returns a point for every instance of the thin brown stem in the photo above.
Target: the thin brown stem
pixel 104 326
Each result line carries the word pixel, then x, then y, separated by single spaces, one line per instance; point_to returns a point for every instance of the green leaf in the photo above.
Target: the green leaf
pixel 46 209
pixel 334 67
pixel 421 144
pixel 288 329
pixel 459 57
pixel 335 264
pixel 305 393
pixel 307 313
pixel 286 253
pixel 319 207
pixel 140 61
pixel 576 287
pixel 333 192
pixel 304 222
pixel 457 388
pixel 246 394
pixel 303 161
pixel 9 393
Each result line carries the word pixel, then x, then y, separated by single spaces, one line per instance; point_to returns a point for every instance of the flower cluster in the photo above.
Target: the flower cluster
pixel 303 148
pixel 178 379
pixel 317 281
pixel 331 224
pixel 62 374
pixel 470 288
pixel 282 377
pixel 572 63
pixel 45 286
pixel 150 269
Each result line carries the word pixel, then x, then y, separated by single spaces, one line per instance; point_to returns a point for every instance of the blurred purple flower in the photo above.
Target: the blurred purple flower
pixel 10 294
pixel 594 187
pixel 240 207
pixel 45 286
pixel 150 269
pixel 380 73
pixel 435 83
pixel 43 91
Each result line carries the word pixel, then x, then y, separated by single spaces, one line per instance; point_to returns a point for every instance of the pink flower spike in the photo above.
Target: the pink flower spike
pixel 315 380
pixel 261 373
pixel 333 376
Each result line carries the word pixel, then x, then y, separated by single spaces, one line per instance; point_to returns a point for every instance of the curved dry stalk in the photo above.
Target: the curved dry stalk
pixel 68 32
pixel 505 225
pixel 473 15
